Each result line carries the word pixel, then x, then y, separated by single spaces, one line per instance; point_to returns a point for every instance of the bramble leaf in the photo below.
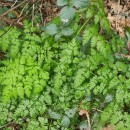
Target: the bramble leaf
pixel 65 122
pixel 80 3
pixel 61 2
pixel 67 31
pixel 54 115
pixel 71 112
pixel 67 13
pixel 51 29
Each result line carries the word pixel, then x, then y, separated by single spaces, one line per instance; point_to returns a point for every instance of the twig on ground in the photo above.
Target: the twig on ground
pixel 5 13
pixel 1 127
pixel 33 8
pixel 95 109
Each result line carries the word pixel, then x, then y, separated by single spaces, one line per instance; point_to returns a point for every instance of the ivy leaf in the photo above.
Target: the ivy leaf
pixel 51 29
pixel 71 112
pixel 67 13
pixel 80 3
pixel 67 31
pixel 65 122
pixel 54 115
pixel 108 98
pixel 61 2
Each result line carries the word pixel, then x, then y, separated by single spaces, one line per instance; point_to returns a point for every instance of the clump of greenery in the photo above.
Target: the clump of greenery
pixel 46 75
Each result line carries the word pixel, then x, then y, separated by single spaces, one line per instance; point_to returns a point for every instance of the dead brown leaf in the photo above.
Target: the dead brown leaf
pixel 108 128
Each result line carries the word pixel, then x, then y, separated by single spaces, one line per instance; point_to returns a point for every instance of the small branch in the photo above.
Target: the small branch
pixel 5 13
pixel 117 14
pixel 13 23
pixel 95 109
pixel 33 13
pixel 40 9
pixel 10 21
pixel 1 127
pixel 88 119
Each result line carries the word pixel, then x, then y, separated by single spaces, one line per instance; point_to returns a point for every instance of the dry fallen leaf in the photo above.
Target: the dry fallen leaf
pixel 83 112
pixel 108 128
pixel 118 14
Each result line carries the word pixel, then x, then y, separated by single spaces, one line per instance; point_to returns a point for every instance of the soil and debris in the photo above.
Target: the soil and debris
pixel 118 14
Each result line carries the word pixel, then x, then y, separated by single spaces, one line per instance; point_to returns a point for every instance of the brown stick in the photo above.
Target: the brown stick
pixel 5 13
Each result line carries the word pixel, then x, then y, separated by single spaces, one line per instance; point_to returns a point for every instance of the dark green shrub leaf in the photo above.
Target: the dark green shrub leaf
pixel 71 112
pixel 80 3
pixel 108 98
pixel 65 122
pixel 88 97
pixel 51 29
pixel 67 31
pixel 58 36
pixel 61 2
pixel 67 13
pixel 54 115
pixel 83 125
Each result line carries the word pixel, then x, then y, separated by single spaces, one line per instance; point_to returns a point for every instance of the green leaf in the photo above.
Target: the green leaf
pixel 3 9
pixel 58 36
pixel 54 115
pixel 80 3
pixel 89 13
pixel 11 15
pixel 67 13
pixel 96 19
pixel 67 31
pixel 88 97
pixel 71 112
pixel 61 2
pixel 83 125
pixel 108 98
pixel 65 122
pixel 48 99
pixel 51 29
pixel 42 120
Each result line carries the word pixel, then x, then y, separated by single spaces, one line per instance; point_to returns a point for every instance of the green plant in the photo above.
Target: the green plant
pixel 63 26
pixel 44 79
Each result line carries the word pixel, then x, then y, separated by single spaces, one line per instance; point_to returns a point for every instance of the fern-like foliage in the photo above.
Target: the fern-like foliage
pixel 43 81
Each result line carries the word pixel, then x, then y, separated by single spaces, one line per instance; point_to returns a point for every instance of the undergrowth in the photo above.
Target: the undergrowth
pixel 46 77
